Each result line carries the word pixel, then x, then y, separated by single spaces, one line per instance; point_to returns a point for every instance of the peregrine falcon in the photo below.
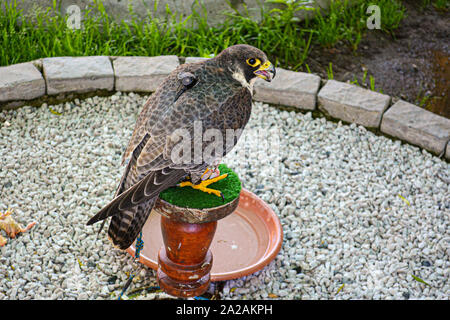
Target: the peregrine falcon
pixel 217 93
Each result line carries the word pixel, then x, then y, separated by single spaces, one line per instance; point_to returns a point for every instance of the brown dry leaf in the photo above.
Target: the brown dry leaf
pixel 272 295
pixel 2 241
pixel 11 227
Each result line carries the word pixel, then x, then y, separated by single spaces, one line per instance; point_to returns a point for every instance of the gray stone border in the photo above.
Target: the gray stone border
pixel 56 79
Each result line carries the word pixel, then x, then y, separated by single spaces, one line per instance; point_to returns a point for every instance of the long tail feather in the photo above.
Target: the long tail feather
pixel 124 228
pixel 146 189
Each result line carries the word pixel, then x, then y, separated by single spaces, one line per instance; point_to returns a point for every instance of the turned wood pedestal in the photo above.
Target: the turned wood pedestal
pixel 185 260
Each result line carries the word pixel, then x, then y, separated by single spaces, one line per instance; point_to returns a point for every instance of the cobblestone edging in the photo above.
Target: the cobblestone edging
pixel 46 78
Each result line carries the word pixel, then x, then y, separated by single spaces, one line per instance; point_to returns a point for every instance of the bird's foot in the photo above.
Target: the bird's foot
pixel 203 186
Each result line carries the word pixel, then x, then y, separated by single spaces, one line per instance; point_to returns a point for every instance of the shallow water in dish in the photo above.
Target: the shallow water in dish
pixel 242 243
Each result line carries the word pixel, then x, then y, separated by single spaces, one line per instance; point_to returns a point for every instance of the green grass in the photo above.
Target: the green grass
pixel 371 84
pixel 437 4
pixel 392 13
pixel 349 23
pixel 191 198
pixel 341 23
pixel 286 40
pixel 330 71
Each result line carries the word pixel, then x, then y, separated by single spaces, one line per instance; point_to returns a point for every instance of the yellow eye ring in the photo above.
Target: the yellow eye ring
pixel 253 62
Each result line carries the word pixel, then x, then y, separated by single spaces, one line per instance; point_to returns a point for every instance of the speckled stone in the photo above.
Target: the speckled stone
pixel 447 152
pixel 21 81
pixel 78 74
pixel 194 59
pixel 289 88
pixel 417 126
pixel 353 104
pixel 143 74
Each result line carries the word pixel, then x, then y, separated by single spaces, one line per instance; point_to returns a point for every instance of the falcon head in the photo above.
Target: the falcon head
pixel 247 63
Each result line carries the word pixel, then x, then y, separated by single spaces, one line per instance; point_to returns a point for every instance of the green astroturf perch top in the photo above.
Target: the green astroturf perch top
pixel 188 197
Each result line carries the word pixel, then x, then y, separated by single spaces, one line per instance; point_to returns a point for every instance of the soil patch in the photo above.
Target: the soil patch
pixel 413 64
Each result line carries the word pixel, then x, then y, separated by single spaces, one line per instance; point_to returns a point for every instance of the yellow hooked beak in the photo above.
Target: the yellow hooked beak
pixel 266 71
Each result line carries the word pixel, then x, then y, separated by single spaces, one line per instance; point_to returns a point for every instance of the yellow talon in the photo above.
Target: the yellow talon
pixel 202 186
pixel 209 181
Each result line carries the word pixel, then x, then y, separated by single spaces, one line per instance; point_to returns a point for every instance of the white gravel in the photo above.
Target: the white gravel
pixel 357 209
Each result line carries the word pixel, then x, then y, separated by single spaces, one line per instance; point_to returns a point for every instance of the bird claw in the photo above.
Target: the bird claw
pixel 202 186
pixel 210 174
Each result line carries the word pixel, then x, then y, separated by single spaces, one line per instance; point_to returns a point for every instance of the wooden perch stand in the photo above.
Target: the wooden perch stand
pixel 185 260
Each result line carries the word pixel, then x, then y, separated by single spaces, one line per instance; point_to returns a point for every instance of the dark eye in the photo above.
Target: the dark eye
pixel 253 62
